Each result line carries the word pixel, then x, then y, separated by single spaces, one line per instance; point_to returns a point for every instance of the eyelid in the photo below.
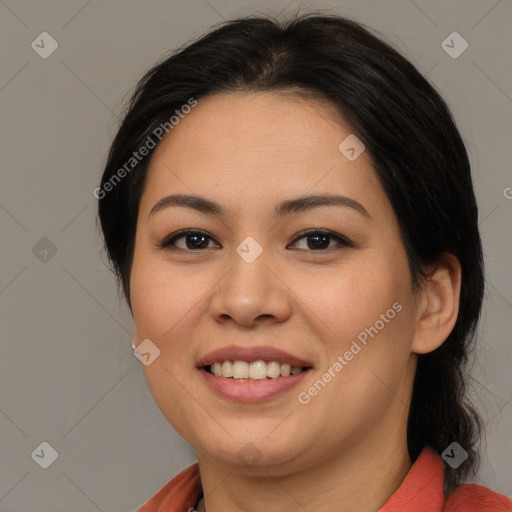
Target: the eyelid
pixel 342 240
pixel 166 242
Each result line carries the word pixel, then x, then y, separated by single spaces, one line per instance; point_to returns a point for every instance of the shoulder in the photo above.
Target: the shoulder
pixel 181 493
pixel 477 498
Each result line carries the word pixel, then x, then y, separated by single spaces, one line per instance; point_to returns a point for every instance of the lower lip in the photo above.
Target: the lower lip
pixel 251 391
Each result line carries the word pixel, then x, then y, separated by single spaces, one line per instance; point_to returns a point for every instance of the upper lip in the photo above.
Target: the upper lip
pixel 249 354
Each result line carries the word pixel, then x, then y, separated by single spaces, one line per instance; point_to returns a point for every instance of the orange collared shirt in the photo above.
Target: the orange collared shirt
pixel 421 491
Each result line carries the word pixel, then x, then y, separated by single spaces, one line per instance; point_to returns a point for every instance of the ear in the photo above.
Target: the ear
pixel 438 305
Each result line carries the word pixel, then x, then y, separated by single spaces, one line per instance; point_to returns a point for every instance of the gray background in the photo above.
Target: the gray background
pixel 67 372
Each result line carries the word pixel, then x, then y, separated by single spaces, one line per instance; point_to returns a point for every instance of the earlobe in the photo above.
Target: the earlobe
pixel 439 305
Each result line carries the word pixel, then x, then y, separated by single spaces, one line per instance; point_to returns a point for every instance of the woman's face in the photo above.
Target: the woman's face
pixel 346 309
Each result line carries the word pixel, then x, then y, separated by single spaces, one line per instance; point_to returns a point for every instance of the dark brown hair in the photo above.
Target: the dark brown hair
pixel 415 147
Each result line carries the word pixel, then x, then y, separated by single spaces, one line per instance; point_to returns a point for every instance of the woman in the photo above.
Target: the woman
pixel 290 213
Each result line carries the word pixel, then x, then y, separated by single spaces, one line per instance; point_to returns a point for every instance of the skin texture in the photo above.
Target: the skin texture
pixel 347 446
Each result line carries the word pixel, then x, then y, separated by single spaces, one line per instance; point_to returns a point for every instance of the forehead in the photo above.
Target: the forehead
pixel 277 123
pixel 258 146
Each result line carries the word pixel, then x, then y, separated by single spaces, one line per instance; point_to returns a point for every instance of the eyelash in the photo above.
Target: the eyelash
pixel 168 242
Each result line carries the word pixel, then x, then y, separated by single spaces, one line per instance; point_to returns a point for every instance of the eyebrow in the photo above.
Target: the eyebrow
pixel 282 209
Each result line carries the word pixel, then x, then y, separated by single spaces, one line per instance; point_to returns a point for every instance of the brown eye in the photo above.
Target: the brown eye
pixel 319 240
pixel 194 240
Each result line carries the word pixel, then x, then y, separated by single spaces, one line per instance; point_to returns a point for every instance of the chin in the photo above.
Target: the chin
pixel 250 452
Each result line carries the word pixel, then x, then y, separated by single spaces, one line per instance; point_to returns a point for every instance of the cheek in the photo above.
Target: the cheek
pixel 165 309
pixel 364 370
pixel 349 300
pixel 164 300
pixel 371 319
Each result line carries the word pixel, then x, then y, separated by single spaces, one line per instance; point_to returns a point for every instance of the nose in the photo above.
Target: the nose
pixel 251 293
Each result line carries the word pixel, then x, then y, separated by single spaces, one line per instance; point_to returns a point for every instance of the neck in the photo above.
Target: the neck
pixel 359 480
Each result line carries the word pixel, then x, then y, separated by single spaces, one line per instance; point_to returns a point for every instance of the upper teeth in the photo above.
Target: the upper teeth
pixel 254 370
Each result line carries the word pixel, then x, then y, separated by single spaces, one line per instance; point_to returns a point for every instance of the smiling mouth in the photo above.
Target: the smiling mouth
pixel 253 371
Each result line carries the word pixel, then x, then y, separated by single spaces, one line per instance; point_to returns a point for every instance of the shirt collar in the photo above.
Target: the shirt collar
pixel 422 488
pixel 420 491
